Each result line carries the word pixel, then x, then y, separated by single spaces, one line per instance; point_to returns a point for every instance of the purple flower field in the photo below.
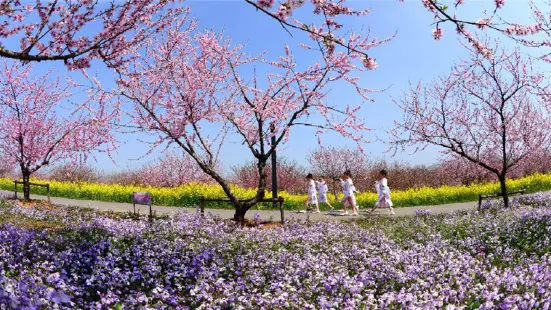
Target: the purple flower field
pixel 54 257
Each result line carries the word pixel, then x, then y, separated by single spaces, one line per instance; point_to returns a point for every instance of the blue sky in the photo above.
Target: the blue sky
pixel 411 56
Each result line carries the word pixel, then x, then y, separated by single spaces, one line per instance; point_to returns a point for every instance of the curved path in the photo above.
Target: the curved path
pixel 264 214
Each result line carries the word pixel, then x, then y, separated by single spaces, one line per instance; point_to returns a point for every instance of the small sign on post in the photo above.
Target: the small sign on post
pixel 142 198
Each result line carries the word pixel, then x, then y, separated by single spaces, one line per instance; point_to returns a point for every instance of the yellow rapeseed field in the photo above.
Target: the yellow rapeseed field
pixel 189 194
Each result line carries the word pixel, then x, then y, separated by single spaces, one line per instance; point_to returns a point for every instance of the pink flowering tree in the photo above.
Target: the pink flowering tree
pixel 538 162
pixel 38 126
pixel 456 170
pixel 7 166
pixel 60 30
pixel 331 162
pixel 185 80
pixel 535 34
pixel 290 175
pixel 488 111
pixel 72 172
pixel 171 170
pixel 328 31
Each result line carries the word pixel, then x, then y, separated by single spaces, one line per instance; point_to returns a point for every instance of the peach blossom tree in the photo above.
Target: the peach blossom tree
pixel 39 126
pixel 77 32
pixel 491 112
pixel 185 80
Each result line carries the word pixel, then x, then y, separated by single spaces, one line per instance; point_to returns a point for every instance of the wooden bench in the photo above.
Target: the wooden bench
pixel 278 200
pixel 481 197
pixel 47 186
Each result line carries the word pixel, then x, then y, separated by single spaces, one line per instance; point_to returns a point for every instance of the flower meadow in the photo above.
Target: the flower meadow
pixel 188 195
pixel 54 257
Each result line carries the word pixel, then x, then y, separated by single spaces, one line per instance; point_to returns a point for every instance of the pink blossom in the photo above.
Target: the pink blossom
pixel 427 4
pixel 437 33
pixel 482 23
pixel 18 17
pixel 499 3
pixel 370 63
pixel 265 3
pixel 522 30
pixel 117 28
pixel 328 32
pixel 283 12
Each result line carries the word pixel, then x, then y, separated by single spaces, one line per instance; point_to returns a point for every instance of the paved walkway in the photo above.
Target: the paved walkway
pixel 264 214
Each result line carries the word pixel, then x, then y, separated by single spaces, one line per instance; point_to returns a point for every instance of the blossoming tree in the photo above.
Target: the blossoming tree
pixel 7 166
pixel 62 30
pixel 171 170
pixel 534 34
pixel 185 80
pixel 491 112
pixel 39 127
pixel 331 162
pixel 290 175
pixel 328 31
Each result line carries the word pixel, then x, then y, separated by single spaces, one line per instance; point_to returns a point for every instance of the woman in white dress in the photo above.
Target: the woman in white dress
pixel 383 193
pixel 312 194
pixel 322 192
pixel 348 191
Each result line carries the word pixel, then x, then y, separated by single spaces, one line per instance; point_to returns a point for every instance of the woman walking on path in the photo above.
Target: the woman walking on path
pixel 383 192
pixel 322 191
pixel 312 195
pixel 348 191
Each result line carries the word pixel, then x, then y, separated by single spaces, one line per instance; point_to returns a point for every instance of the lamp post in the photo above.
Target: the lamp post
pixel 274 170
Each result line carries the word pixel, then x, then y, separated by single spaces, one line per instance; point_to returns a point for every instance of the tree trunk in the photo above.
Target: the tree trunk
pixel 240 212
pixel 335 191
pixel 503 184
pixel 26 185
pixel 242 208
pixel 262 180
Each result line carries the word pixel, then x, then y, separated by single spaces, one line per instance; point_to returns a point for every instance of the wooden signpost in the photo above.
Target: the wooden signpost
pixel 142 198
